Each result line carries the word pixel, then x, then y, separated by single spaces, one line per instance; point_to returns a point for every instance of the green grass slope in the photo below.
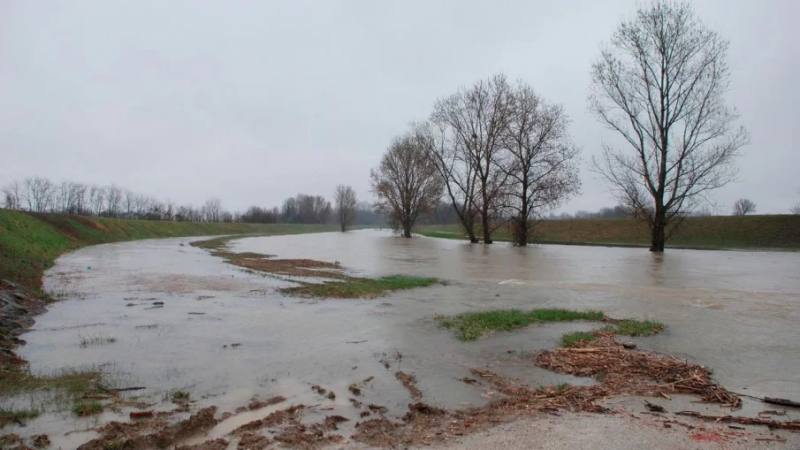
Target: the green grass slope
pixel 723 232
pixel 30 243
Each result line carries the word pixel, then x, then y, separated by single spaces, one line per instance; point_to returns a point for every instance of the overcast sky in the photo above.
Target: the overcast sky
pixel 256 101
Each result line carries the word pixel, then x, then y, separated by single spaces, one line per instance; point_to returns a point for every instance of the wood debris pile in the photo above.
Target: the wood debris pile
pixel 622 371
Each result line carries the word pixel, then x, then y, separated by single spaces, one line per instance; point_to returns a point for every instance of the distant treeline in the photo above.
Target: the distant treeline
pixel 41 195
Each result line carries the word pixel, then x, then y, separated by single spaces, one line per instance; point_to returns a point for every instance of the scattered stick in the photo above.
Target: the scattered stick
pixel 782 424
pixel 781 402
pixel 134 388
pixel 776 439
pixel 654 408
pixel 355 342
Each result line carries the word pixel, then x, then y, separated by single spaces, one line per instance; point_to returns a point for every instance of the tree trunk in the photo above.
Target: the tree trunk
pixel 471 233
pixel 487 233
pixel 522 233
pixel 343 227
pixel 659 230
pixel 407 224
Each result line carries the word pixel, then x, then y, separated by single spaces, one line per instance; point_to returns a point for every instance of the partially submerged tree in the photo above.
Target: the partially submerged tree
pixel 660 86
pixel 471 123
pixel 743 206
pixel 346 205
pixel 541 163
pixel 458 175
pixel 406 182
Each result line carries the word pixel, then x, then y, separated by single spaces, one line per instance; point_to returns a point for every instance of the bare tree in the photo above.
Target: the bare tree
pixel 542 164
pixel 458 175
pixel 346 203
pixel 795 209
pixel 473 121
pixel 39 194
pixel 97 200
pixel 660 86
pixel 743 206
pixel 406 182
pixel 114 201
pixel 12 193
pixel 212 210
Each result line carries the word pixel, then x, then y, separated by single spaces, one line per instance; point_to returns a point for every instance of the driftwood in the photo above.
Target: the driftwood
pixel 134 388
pixel 781 401
pixel 781 424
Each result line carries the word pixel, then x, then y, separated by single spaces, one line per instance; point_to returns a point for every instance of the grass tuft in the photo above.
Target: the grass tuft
pixel 471 326
pixel 8 416
pixel 576 338
pixel 87 341
pixel 633 327
pixel 83 409
pixel 71 381
pixel 180 395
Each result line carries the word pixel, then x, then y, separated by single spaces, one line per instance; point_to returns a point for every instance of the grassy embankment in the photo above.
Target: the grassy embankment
pixel 723 232
pixel 335 284
pixel 474 325
pixel 30 243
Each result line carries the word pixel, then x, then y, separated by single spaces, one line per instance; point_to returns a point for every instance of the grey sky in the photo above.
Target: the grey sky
pixel 256 101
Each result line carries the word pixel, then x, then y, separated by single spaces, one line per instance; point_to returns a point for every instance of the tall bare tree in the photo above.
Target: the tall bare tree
pixel 97 199
pixel 542 161
pixel 346 204
pixel 114 201
pixel 459 177
pixel 406 182
pixel 743 206
pixel 660 86
pixel 212 210
pixel 472 122
pixel 39 194
pixel 12 193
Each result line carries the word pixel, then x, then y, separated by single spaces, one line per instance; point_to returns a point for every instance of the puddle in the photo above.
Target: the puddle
pixel 733 311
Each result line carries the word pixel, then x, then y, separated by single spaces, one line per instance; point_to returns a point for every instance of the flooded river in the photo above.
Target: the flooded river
pixel 226 335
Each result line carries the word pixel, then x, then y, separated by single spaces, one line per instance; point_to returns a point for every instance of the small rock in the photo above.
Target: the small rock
pixel 629 345
pixel 131 304
pixel 158 303
pixel 19 295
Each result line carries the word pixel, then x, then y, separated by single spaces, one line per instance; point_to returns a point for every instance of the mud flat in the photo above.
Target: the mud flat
pixel 197 333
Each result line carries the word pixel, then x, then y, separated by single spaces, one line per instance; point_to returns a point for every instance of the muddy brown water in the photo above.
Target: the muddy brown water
pixel 736 312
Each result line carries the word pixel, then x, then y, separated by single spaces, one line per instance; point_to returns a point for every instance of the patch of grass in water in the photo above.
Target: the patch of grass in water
pixel 86 341
pixel 71 381
pixel 633 327
pixel 353 287
pixel 8 416
pixel 83 409
pixel 575 338
pixel 180 395
pixel 471 326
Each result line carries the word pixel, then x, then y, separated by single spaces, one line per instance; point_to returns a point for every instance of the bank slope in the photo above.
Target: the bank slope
pixel 30 243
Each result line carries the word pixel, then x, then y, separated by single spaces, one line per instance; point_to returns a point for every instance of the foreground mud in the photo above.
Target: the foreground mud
pixel 17 309
pixel 627 373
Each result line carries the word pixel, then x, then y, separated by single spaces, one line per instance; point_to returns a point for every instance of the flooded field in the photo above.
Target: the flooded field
pixel 224 335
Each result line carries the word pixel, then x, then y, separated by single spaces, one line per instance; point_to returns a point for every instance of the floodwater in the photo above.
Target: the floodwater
pixel 736 312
